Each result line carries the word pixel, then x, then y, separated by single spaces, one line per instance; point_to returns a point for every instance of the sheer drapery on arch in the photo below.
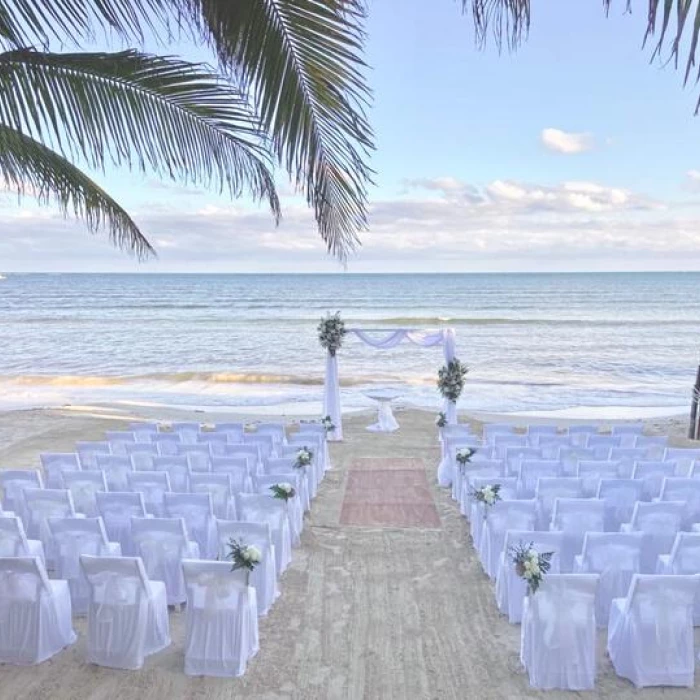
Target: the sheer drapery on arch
pixel 390 339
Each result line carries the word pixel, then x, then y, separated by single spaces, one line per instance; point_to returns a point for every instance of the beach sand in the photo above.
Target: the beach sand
pixel 397 610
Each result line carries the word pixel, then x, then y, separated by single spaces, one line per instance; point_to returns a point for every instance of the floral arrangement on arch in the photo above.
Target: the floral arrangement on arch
pixel 331 331
pixel 451 379
pixel 530 565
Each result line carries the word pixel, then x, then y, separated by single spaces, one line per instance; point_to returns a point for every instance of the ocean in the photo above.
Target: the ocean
pixel 619 344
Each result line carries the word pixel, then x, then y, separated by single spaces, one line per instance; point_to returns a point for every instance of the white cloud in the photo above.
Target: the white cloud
pixel 566 142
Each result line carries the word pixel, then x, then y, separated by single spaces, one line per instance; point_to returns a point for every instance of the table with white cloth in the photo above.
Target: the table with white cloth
pixel 386 423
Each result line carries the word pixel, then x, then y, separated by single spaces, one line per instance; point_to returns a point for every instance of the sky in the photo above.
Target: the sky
pixel 575 153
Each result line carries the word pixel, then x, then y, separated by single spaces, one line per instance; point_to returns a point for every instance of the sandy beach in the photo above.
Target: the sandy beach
pixel 367 612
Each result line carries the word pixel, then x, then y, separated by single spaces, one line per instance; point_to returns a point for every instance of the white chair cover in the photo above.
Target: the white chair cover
pixel 316 443
pixel 551 445
pixel 264 576
pixel 510 588
pixel 162 544
pixel 35 613
pixel 88 450
pixel 320 430
pixel 602 444
pixel 653 475
pixel 217 442
pixel 295 511
pixel 616 557
pixel 571 456
pixel 536 432
pixel 593 471
pixel 167 443
pixel 683 559
pixel 650 633
pixel 188 431
pixel 177 470
pixel 548 489
pixel 14 542
pixel 115 467
pixel 143 431
pixel 654 445
pixel 579 434
pixel 628 432
pixel 620 497
pixel 575 517
pixel 39 506
pixel 198 456
pixel 13 482
pixel 531 471
pixel 476 510
pixel 514 455
pixel 218 486
pixel 683 457
pixel 237 469
pixel 127 613
pixel 116 510
pixel 197 511
pixel 222 621
pixel 233 431
pixel 142 455
pixel 558 633
pixel 153 485
pixel 54 463
pixel 678 488
pixel 492 429
pixel 83 485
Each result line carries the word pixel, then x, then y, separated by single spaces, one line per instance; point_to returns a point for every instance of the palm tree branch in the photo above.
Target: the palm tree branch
pixel 176 118
pixel 30 167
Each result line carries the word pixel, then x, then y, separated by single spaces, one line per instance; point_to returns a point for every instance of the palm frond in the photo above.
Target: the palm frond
pixel 302 61
pixel 29 167
pixel 176 118
pixel 507 20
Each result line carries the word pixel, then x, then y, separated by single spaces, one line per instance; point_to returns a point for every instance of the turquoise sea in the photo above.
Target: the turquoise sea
pixel 534 342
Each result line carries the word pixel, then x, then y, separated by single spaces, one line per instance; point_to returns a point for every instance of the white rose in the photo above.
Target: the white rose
pixel 489 498
pixel 535 569
pixel 527 565
pixel 254 554
pixel 528 574
pixel 533 555
pixel 284 486
pixel 245 554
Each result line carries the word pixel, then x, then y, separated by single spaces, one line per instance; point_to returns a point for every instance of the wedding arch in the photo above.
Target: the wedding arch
pixel 390 338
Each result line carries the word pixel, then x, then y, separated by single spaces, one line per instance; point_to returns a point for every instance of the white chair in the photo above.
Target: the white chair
pixel 579 434
pixel 660 522
pixel 218 486
pixel 678 488
pixel 13 482
pixel 627 457
pixel 119 436
pixel 83 485
pixel 277 432
pixel 162 544
pixel 217 443
pixel 491 469
pixel 153 485
pixel 233 431
pixel 650 632
pixel 250 452
pixel 683 457
pixel 654 445
pixel 222 622
pixel 683 559
pixel 591 472
pixel 558 633
pixel 166 442
pixel 511 589
pixel 628 432
pixel 264 576
pixel 197 512
pixel 602 444
pixel 177 470
pixel 502 442
pixel 653 475
pixel 551 445
pixel 14 542
pixel 285 465
pixel 35 613
pixel 54 463
pixel 619 496
pixel 476 510
pixel 236 468
pixel 198 456
pixel 316 444
pixel 188 431
pixel 88 450
pixel 536 432
pixel 39 506
pixel 569 457
pixel 73 537
pixel 142 455
pixel 615 557
pixel 127 613
pixel 116 510
pixel 265 443
pixel 575 517
pixel 295 511
pixel 503 516
pixel 307 429
pixel 531 471
pixel 143 432
pixel 514 456
pixel 492 429
pixel 116 467
pixel 550 488
pixel 259 508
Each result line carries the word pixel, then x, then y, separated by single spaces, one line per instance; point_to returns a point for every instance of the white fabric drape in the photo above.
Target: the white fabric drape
pixel 390 339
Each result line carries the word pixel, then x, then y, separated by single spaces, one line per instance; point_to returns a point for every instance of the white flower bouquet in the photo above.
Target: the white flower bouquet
pixel 331 331
pixel 488 495
pixel 451 379
pixel 243 556
pixel 304 457
pixel 530 565
pixel 327 423
pixel 441 420
pixel 464 455
pixel 284 491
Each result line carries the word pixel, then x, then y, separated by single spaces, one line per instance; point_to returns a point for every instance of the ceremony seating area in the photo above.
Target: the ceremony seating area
pixel 619 512
pixel 122 528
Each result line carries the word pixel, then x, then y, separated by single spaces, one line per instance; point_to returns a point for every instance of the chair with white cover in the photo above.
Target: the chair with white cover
pixel 531 470
pixel 162 544
pixel 41 504
pixel 558 633
pixel 551 445
pixel 233 431
pixel 275 430
pixel 511 589
pixel 491 469
pixel 502 441
pixel 627 457
pixel 264 576
pixel 616 558
pixel 236 468
pixel 54 463
pixel 579 434
pixel 217 443
pixel 119 436
pixel 654 445
pixel 198 456
pixel 650 631
pixel 508 491
pixel 628 432
pixel 142 455
pixel 653 475
pixel 571 456
pixel 514 456
pixel 115 467
pixel 222 621
pixel 260 508
pixel 536 432
pixel 218 486
pixel 591 472
pixel 116 509
pixel 187 430
pixel 312 473
pixel 73 537
pixel 684 457
pixel 320 431
pixel 602 444
pixel 295 511
pixel 14 542
pixel 13 482
pixel 197 512
pixel 284 465
pixel 492 429
pixel 143 430
pixel 678 488
pixel 250 452
pixel 166 442
pixel 177 469
pixel 660 522
pixel 83 485
pixel 548 489
pixel 575 517
pixel 683 559
pixel 35 613
pixel 315 443
pixel 620 497
pixel 89 449
pixel 504 515
pixel 127 613
pixel 153 485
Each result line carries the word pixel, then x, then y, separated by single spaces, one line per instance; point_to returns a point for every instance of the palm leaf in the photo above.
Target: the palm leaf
pixel 176 118
pixel 504 19
pixel 302 61
pixel 28 166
